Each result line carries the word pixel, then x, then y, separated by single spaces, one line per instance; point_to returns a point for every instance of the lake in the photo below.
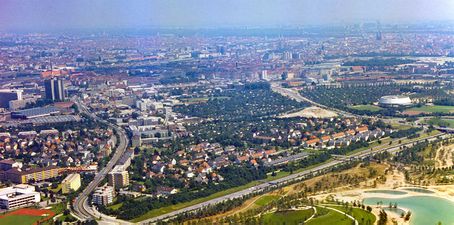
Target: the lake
pixel 419 190
pixel 389 192
pixel 426 210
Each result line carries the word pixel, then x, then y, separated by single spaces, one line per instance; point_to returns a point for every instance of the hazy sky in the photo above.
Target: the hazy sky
pixel 64 14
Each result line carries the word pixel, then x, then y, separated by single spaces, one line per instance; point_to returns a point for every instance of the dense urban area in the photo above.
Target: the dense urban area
pixel 234 126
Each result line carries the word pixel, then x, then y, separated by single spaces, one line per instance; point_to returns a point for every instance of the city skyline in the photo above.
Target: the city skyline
pixel 49 15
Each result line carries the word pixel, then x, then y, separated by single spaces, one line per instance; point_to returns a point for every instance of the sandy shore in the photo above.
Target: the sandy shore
pixel 395 182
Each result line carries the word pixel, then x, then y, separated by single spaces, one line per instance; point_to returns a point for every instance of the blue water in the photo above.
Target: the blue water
pixel 419 190
pixel 389 192
pixel 426 210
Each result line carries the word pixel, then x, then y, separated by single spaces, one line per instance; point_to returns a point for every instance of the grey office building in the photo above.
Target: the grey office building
pixel 55 89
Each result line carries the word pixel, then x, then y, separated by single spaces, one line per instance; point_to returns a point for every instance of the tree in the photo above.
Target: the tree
pixel 407 216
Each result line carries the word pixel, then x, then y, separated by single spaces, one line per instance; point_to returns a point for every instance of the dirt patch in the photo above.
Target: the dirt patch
pixel 443 157
pixel 311 112
pixel 45 213
pixel 412 113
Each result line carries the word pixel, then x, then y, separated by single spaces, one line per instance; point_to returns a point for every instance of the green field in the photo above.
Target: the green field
pixel 167 209
pixel 326 216
pixel 171 208
pixel 364 217
pixel 441 122
pixel 432 109
pixel 372 108
pixel 287 217
pixel 265 200
pixel 116 206
pixel 19 220
pixel 279 174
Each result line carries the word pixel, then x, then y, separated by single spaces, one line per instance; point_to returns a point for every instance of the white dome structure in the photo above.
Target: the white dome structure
pixel 394 100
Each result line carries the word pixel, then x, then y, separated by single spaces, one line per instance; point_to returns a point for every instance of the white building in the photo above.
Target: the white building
pixel 103 195
pixel 18 196
pixel 394 100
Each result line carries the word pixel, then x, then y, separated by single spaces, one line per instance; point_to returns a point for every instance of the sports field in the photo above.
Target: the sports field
pixel 428 109
pixel 26 216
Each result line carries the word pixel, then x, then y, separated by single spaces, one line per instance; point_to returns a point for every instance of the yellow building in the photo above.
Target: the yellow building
pixel 36 174
pixel 70 183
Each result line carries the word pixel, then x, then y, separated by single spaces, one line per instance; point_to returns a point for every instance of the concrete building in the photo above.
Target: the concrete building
pixel 54 89
pixel 70 183
pixel 394 100
pixel 18 196
pixel 118 177
pixel 36 174
pixel 6 96
pixel 103 195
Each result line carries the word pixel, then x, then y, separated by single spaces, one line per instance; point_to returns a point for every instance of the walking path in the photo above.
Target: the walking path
pixel 344 213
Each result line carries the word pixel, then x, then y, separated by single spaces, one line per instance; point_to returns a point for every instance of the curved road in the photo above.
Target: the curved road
pixel 81 207
pixel 290 178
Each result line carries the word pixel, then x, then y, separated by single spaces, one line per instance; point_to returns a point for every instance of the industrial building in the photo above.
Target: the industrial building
pixel 35 112
pixel 18 196
pixel 6 96
pixel 70 183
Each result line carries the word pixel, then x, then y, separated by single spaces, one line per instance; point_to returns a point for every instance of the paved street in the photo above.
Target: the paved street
pixel 82 210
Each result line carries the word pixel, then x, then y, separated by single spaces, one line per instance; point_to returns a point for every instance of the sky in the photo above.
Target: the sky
pixel 92 14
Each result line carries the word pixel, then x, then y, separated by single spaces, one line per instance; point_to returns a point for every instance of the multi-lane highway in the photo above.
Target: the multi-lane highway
pixel 83 211
pixel 293 94
pixel 81 208
pixel 294 177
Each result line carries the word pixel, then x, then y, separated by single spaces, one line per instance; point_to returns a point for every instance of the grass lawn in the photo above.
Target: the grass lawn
pixel 116 206
pixel 400 126
pixel 364 217
pixel 441 122
pixel 58 208
pixel 265 200
pixel 326 216
pixel 171 208
pixel 287 217
pixel 167 209
pixel 432 109
pixel 280 174
pixel 373 144
pixel 55 190
pixel 372 108
pixel 19 219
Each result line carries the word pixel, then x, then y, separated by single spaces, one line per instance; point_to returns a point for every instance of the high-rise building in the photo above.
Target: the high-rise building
pixel 264 75
pixel 9 95
pixel 287 55
pixel 55 89
pixel 70 183
pixel 118 177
